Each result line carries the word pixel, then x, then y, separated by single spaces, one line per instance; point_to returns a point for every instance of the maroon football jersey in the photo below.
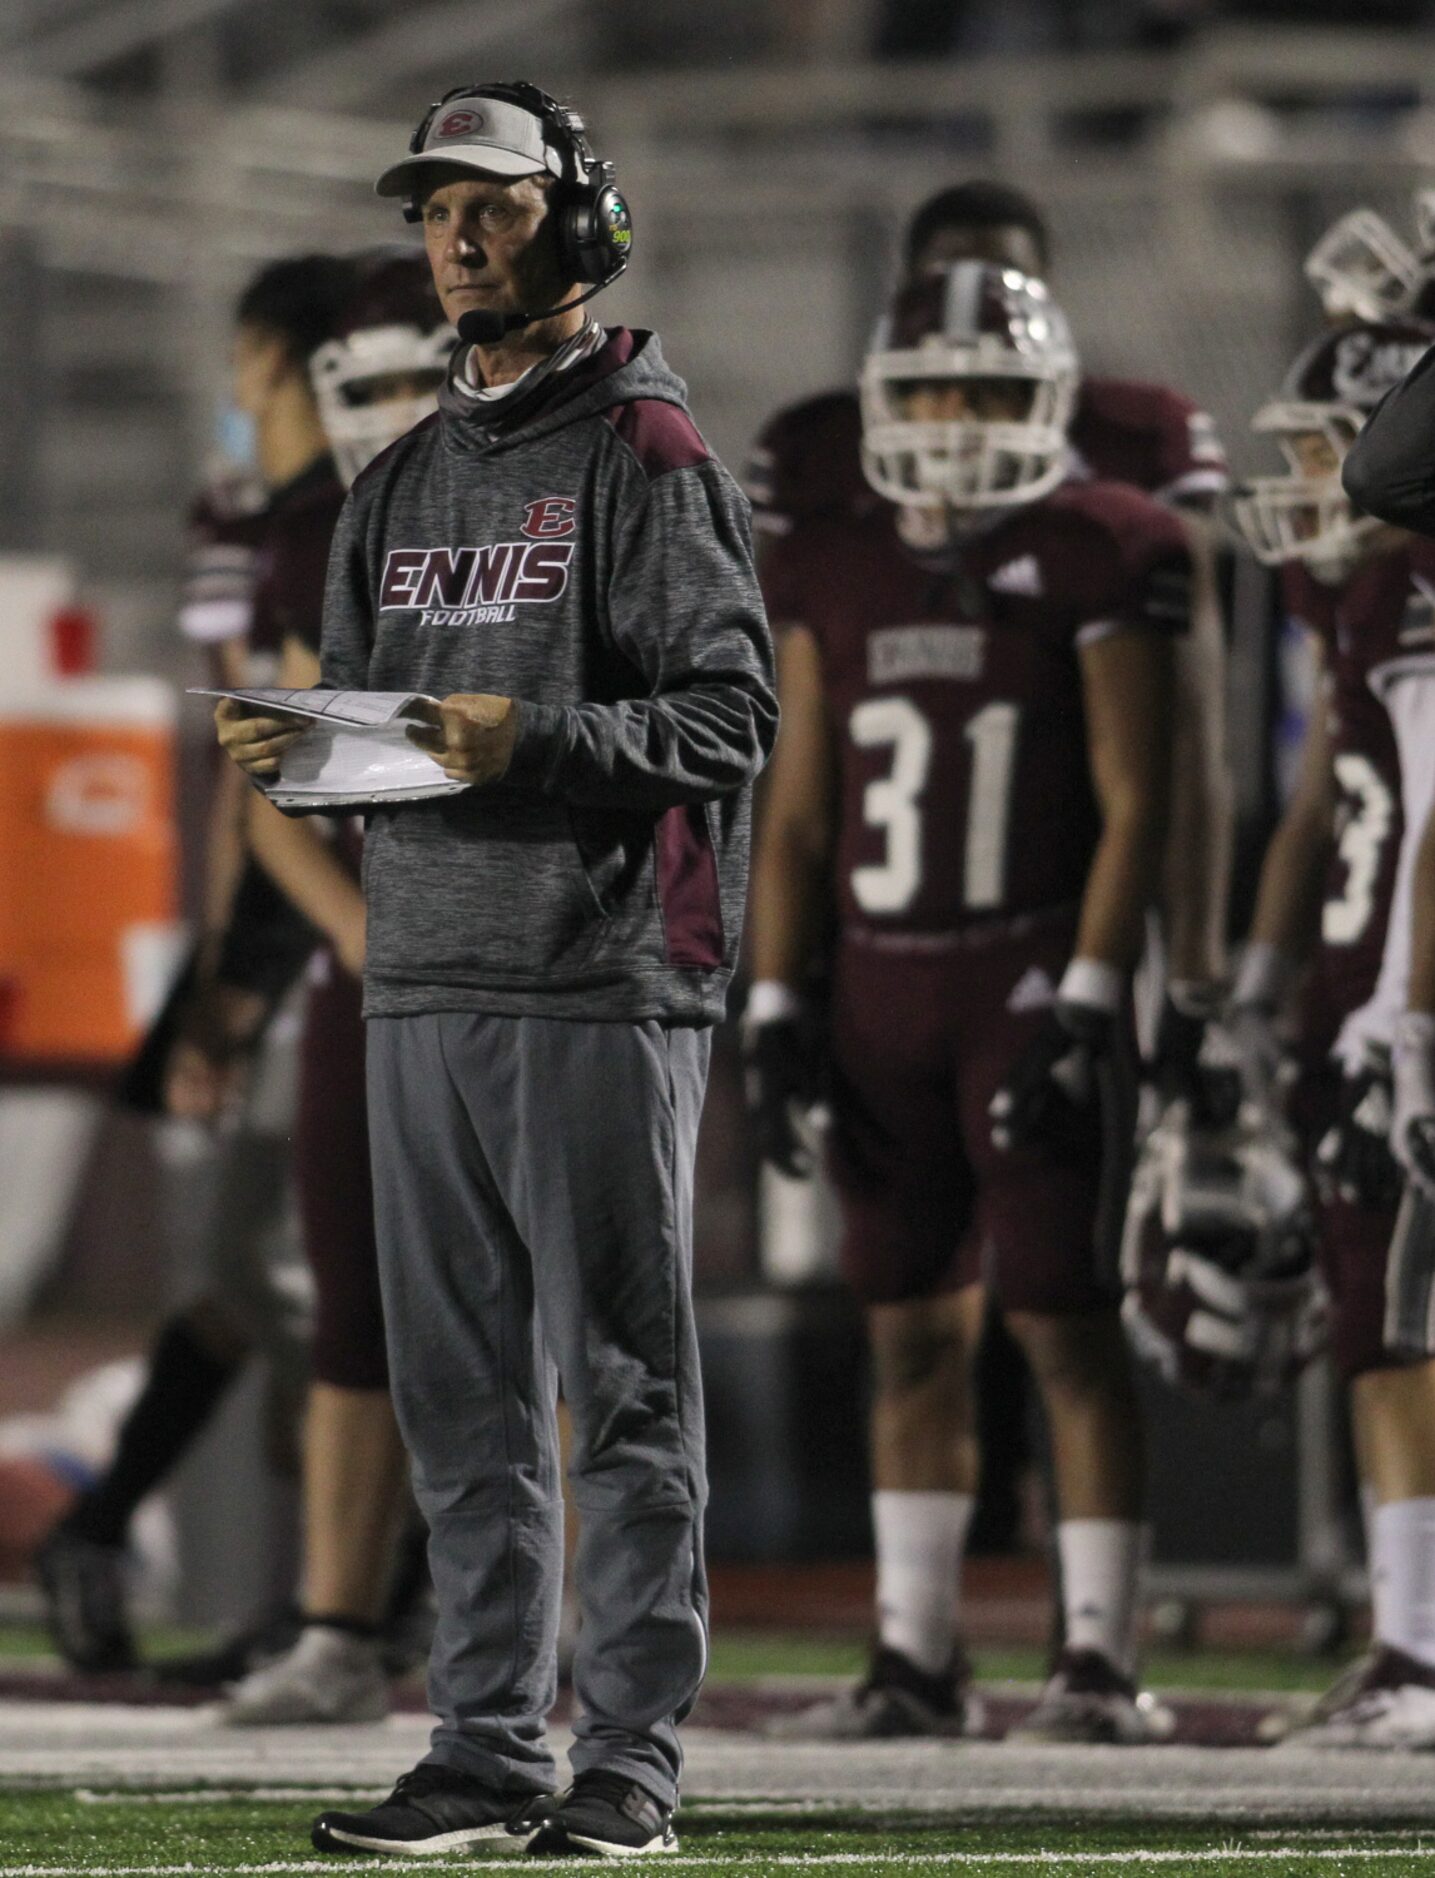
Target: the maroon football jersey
pixel 955 697
pixel 1383 613
pixel 807 460
pixel 294 559
pixel 222 538
pixel 1124 431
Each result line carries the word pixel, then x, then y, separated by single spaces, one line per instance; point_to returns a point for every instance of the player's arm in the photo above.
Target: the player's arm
pixel 791 876
pixel 791 896
pixel 1408 961
pixel 1198 848
pixel 1286 923
pixel 295 854
pixel 1389 470
pixel 1413 1123
pixel 1128 686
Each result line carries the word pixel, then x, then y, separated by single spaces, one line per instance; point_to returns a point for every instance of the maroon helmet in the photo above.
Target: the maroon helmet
pixel 380 374
pixel 1218 1258
pixel 971 324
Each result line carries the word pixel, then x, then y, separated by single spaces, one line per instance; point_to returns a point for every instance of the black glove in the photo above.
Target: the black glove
pixel 1193 1061
pixel 1055 1077
pixel 1354 1160
pixel 781 1082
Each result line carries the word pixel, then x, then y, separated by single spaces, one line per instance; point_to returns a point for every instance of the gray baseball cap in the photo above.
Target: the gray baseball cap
pixel 490 136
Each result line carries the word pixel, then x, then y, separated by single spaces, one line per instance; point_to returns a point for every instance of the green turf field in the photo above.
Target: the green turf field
pixel 51 1829
pixel 137 1833
pixel 743 1655
pixel 746 1655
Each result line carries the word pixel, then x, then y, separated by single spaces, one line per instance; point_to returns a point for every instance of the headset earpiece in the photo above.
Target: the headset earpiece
pixel 595 228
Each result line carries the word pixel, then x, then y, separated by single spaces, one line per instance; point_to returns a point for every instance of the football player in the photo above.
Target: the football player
pixel 373 381
pixel 203 1046
pixel 807 464
pixel 1334 892
pixel 971 786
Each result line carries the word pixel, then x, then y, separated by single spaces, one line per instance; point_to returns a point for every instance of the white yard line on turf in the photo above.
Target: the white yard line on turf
pixel 802 1860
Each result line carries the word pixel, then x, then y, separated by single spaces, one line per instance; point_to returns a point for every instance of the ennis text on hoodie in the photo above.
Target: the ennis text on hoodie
pixel 587 556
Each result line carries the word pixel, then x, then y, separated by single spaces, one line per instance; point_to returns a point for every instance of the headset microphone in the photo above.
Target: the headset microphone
pixel 484 327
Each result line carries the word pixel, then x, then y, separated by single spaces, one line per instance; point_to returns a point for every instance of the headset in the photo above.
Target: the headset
pixel 593 222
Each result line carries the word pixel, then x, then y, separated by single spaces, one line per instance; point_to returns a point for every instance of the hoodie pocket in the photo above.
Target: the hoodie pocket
pixel 613 852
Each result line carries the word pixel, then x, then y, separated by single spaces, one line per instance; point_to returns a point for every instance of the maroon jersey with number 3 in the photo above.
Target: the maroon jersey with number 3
pixel 1359 625
pixel 956 699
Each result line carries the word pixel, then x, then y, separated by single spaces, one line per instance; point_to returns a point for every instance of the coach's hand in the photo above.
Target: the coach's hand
pixel 471 735
pixel 256 742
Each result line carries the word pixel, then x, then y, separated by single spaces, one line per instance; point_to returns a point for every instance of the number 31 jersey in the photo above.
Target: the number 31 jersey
pixel 955 695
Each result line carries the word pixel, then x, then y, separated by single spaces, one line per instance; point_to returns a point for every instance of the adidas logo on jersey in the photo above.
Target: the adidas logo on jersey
pixel 1033 991
pixel 1022 576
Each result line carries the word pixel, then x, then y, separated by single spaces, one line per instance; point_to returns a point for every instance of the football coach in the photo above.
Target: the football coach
pixel 560 560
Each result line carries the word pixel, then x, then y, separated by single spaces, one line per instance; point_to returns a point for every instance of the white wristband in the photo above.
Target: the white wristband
pixel 769 1001
pixel 1092 982
pixel 1414 1045
pixel 1265 979
pixel 1413 1071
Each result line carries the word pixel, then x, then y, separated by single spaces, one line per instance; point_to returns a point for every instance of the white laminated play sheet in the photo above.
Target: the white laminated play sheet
pixel 356 749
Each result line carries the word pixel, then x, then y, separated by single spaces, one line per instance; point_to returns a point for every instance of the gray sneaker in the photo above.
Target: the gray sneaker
pixel 895 1698
pixel 328 1676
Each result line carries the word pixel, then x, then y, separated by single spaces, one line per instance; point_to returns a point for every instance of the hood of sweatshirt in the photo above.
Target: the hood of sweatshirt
pixel 627 367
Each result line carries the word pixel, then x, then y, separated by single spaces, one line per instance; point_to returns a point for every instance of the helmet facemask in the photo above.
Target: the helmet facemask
pixel 374 386
pixel 1304 516
pixel 1362 270
pixel 1222 1292
pixel 1005 443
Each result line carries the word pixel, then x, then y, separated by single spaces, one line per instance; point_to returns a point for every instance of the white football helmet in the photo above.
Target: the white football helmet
pixel 971 325
pixel 1217 1258
pixel 380 375
pixel 1329 392
pixel 1425 224
pixel 1362 270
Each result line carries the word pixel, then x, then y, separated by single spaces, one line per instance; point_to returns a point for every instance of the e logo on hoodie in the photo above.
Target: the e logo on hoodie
pixel 549 517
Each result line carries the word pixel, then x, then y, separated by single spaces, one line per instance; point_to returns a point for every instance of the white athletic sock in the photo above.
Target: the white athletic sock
pixel 920 1541
pixel 1402 1577
pixel 1101 1563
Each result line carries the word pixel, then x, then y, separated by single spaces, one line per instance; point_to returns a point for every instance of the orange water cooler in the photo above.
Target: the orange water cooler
pixel 88 866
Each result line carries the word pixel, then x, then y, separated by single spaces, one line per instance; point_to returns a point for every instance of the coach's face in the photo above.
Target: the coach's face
pixel 491 244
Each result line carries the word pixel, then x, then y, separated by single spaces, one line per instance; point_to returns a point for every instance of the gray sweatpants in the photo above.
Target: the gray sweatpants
pixel 533 1192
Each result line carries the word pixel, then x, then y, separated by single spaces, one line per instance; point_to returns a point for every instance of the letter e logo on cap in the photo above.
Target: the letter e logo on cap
pixel 460 124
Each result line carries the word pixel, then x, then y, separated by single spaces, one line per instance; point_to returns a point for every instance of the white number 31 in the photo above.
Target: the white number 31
pixel 892 802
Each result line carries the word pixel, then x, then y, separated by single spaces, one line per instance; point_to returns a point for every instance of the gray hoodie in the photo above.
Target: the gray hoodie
pixel 578 549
